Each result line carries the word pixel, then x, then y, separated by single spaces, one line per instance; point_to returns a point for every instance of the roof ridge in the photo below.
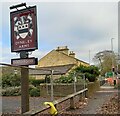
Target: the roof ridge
pixel 56 66
pixel 72 57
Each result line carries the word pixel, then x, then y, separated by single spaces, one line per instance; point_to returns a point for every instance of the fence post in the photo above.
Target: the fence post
pixel 72 105
pixel 81 97
pixel 52 97
pixel 75 80
pixel 86 93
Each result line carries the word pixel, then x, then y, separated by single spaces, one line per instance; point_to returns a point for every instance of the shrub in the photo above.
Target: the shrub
pixel 90 72
pixel 31 87
pixel 35 82
pixel 34 92
pixel 64 79
pixel 10 80
pixel 16 91
pixel 90 77
pixel 11 91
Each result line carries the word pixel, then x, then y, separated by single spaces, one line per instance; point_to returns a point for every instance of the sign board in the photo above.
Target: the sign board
pixel 24 29
pixel 109 74
pixel 24 61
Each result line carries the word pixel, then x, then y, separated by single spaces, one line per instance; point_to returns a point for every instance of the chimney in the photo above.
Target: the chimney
pixel 63 49
pixel 72 54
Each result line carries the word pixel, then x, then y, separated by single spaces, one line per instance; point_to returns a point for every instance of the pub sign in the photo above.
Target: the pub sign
pixel 24 61
pixel 24 30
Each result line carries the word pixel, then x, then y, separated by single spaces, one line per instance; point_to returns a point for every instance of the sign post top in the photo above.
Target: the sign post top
pixel 19 5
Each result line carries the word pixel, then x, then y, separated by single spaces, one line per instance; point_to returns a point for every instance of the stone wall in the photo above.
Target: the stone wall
pixel 66 89
pixel 93 87
pixel 59 89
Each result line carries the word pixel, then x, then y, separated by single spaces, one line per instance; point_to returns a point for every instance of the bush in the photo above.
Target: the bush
pixel 35 92
pixel 10 80
pixel 11 91
pixel 90 72
pixel 31 87
pixel 64 79
pixel 90 77
pixel 16 91
pixel 35 82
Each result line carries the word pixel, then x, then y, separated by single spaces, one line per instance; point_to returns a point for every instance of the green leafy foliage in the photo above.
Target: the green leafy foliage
pixel 90 72
pixel 35 92
pixel 64 79
pixel 10 80
pixel 11 85
pixel 36 82
pixel 11 91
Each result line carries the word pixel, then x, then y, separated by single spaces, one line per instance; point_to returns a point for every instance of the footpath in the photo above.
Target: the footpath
pixel 94 103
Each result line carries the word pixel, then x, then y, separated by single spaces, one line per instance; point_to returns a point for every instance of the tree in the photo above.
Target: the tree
pixel 90 72
pixel 104 60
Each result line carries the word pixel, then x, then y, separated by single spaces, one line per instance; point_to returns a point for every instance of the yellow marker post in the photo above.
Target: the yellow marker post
pixel 53 110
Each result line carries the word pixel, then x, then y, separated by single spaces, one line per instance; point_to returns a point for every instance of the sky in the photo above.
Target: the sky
pixel 82 26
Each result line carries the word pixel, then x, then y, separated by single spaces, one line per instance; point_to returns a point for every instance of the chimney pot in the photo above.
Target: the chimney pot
pixel 72 54
pixel 63 49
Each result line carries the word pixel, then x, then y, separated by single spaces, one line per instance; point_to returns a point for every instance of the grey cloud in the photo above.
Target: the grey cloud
pixel 81 25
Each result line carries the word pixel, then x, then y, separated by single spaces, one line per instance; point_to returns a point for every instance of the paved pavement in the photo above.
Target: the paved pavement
pixel 96 102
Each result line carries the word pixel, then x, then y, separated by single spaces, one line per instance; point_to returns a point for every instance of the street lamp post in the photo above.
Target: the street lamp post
pixel 113 67
pixel 112 51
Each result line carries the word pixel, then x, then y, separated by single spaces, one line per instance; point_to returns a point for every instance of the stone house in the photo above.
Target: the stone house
pixel 61 61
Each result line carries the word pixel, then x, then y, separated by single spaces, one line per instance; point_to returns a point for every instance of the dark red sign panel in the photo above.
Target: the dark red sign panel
pixel 24 61
pixel 24 30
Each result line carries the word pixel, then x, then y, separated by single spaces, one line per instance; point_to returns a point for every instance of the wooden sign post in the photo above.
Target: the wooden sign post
pixel 23 40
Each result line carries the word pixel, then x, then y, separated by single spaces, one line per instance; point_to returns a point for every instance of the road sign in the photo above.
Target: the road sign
pixel 24 30
pixel 109 74
pixel 24 61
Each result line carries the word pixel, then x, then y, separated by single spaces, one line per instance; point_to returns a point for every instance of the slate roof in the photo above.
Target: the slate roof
pixel 58 70
pixel 73 57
